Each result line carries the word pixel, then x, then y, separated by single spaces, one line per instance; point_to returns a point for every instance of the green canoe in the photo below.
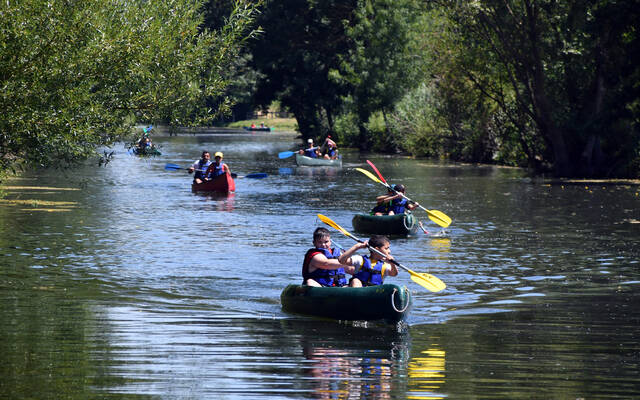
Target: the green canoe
pixel 399 224
pixel 318 162
pixel 387 302
pixel 146 151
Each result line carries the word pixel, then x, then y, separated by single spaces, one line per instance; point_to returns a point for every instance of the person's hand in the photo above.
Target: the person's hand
pixel 191 170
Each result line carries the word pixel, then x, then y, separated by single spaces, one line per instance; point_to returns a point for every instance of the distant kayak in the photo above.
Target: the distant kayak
pixel 257 128
pixel 221 184
pixel 146 151
pixel 399 224
pixel 317 162
pixel 387 302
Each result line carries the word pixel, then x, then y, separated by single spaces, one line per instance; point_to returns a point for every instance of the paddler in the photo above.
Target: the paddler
pixel 217 167
pixel 200 166
pixel 321 266
pixel 393 202
pixel 372 269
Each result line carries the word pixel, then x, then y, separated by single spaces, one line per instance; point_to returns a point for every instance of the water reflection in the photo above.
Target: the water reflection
pixel 351 374
pixel 215 201
pixel 427 374
pixel 349 361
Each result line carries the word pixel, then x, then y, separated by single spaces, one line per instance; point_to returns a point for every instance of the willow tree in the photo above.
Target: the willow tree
pixel 76 75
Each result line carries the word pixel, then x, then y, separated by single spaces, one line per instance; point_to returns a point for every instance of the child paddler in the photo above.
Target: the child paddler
pixel 372 269
pixel 321 266
pixel 393 203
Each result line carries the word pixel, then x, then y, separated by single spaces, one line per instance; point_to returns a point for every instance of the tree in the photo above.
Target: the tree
pixel 379 65
pixel 77 75
pixel 296 56
pixel 572 68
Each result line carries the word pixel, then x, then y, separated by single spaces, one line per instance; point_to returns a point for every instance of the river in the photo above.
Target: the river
pixel 118 282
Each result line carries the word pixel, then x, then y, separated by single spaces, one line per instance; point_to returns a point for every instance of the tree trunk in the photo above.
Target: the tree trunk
pixel 541 105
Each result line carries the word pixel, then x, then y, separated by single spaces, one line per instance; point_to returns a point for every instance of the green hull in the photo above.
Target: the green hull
pixel 318 162
pixel 146 151
pixel 400 224
pixel 387 302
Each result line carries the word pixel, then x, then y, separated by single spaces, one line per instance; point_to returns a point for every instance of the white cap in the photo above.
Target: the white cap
pixel 310 141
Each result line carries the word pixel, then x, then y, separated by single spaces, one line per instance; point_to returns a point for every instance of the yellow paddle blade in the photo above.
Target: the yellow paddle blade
pixel 439 217
pixel 330 222
pixel 370 175
pixel 428 281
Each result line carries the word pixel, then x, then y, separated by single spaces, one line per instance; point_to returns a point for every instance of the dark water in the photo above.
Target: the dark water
pixel 137 288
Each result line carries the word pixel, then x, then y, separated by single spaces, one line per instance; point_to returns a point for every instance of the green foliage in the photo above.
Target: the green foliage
pixel 570 67
pixel 377 68
pixel 296 56
pixel 77 75
pixel 416 119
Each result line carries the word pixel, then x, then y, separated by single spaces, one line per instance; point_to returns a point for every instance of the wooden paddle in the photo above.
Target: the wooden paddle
pixel 436 216
pixel 255 175
pixel 425 280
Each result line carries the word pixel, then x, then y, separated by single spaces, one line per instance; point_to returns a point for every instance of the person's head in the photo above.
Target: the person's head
pixel 206 155
pixel 218 156
pixel 399 188
pixel 310 142
pixel 322 238
pixel 380 243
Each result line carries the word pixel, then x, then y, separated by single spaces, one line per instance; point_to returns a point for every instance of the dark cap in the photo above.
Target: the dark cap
pixel 398 188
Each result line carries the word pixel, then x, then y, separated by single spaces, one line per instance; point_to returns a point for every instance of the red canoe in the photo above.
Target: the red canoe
pixel 223 184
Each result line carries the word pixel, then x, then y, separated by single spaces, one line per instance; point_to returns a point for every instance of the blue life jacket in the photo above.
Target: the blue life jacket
pixel 202 167
pixel 381 208
pixel 332 152
pixel 311 152
pixel 325 277
pixel 398 205
pixel 370 275
pixel 217 170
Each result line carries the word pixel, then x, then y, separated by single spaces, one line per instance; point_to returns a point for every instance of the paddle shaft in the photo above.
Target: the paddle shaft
pixel 427 281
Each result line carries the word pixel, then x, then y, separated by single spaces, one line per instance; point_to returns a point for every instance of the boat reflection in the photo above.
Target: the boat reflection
pixel 342 374
pixel 427 374
pixel 215 201
pixel 353 371
pixel 309 171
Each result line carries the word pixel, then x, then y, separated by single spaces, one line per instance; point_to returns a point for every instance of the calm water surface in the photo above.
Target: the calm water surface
pixel 127 285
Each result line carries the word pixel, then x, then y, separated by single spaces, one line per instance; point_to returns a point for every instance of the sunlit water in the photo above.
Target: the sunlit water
pixel 145 289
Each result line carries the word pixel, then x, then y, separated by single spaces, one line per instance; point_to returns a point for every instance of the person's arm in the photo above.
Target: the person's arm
pixel 320 261
pixel 226 168
pixel 193 167
pixel 345 258
pixel 384 198
pixel 392 269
